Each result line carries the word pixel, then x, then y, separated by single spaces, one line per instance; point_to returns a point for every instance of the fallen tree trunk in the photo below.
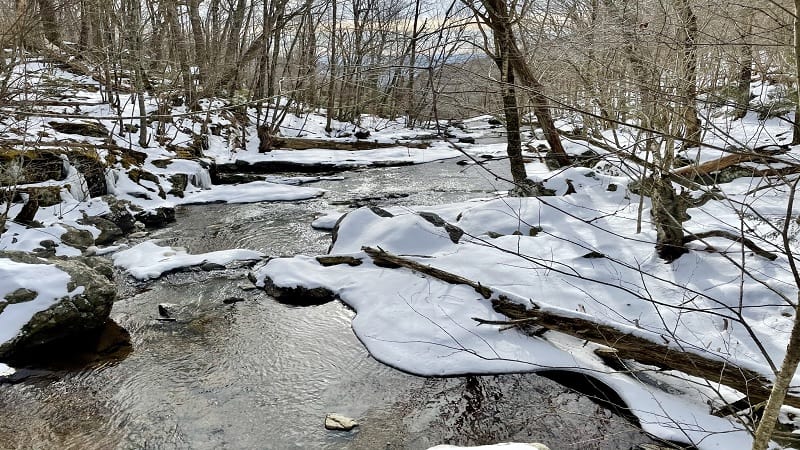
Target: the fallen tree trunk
pixel 627 346
pixel 307 144
pixel 715 165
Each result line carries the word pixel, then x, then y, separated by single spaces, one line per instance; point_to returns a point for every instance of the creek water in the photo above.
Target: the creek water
pixel 258 374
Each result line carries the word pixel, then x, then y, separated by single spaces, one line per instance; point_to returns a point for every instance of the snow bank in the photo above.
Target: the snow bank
pixel 577 255
pixel 256 191
pixel 148 260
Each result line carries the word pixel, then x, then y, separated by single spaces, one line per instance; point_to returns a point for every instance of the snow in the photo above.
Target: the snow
pixel 327 221
pixel 399 154
pixel 49 283
pixel 547 253
pixel 149 260
pixel 6 371
pixel 256 191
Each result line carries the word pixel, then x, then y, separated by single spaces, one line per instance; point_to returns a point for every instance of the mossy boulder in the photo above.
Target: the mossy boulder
pixel 85 312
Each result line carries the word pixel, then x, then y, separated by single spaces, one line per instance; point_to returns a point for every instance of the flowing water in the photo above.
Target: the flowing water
pixel 258 374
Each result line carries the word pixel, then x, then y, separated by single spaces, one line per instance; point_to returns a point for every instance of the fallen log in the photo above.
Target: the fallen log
pixel 753 385
pixel 386 259
pixel 715 165
pixel 291 143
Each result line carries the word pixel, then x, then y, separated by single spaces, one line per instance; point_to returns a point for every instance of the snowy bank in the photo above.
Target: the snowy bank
pixel 149 260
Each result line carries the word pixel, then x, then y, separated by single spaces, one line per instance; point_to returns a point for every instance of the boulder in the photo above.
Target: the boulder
pixel 339 422
pixel 156 218
pixel 298 295
pixel 109 231
pixel 453 231
pixel 120 214
pixel 80 239
pixel 68 317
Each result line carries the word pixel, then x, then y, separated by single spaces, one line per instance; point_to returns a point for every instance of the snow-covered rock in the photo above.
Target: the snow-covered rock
pixel 47 300
pixel 149 260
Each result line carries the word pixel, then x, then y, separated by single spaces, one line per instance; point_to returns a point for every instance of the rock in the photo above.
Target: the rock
pixel 166 310
pixel 120 214
pixel 594 255
pixel 27 214
pixel 81 239
pixel 453 231
pixel 232 300
pixel 81 128
pixel 299 295
pixel 48 243
pixel 156 218
pixel 179 182
pixel 362 134
pixel 339 422
pixel 69 317
pixel 109 231
pixel 210 266
pixel 466 140
pixel 494 121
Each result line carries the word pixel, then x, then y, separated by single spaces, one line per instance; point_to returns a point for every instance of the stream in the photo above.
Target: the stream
pixel 239 370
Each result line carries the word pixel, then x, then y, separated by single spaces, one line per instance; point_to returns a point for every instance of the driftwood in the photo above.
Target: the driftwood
pixel 307 144
pixel 626 345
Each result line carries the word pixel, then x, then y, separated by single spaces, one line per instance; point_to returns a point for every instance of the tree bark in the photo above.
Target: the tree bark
pixel 689 32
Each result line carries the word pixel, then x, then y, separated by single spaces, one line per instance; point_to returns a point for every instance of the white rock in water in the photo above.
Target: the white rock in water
pixel 339 422
pixel 137 235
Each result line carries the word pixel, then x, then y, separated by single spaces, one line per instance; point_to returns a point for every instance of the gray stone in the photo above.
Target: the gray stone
pixel 81 239
pixel 109 231
pixel 339 422
pixel 120 213
pixel 69 316
pixel 21 295
pixel 453 231
pixel 210 266
pixel 299 295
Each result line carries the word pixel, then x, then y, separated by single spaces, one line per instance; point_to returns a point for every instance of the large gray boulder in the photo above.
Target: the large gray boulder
pixel 68 316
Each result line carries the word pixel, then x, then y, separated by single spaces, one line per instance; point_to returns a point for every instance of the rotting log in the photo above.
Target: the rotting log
pixel 307 144
pixel 628 346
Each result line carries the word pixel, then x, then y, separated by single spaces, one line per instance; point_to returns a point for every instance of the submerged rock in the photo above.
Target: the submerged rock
pixel 91 281
pixel 339 422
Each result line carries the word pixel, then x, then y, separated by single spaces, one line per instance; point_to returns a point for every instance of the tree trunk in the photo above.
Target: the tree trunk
pixel 47 15
pixel 332 71
pixel 796 123
pixel 500 23
pixel 688 32
pixel 199 40
pixel 745 71
pixel 669 212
